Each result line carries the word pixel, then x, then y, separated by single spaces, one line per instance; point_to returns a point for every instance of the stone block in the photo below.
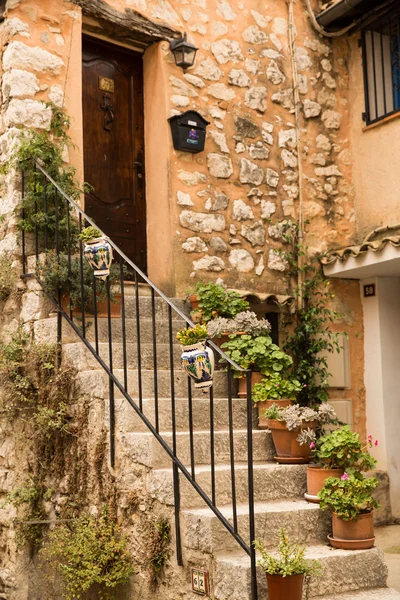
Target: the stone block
pixel 20 56
pixel 28 113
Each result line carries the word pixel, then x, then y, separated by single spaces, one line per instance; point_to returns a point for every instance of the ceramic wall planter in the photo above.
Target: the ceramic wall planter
pixel 263 406
pixel 198 362
pixel 316 477
pixel 285 588
pixel 353 535
pixel 256 377
pixel 99 254
pixel 288 449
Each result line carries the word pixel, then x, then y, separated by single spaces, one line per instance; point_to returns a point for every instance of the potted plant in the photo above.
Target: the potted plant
pixel 259 354
pixel 274 390
pixel 294 429
pixel 97 251
pixel 197 359
pixel 335 452
pixel 220 328
pixel 214 300
pixel 350 500
pixel 287 569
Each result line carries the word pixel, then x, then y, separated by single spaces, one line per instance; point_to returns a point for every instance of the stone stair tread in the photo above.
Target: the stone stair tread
pixel 371 594
pixel 225 466
pixel 314 552
pixel 199 432
pixel 259 508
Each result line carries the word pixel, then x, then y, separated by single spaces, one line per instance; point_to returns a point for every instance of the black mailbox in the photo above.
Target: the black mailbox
pixel 188 131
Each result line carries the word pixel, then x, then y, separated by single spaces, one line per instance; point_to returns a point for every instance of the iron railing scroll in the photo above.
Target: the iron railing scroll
pixel 57 222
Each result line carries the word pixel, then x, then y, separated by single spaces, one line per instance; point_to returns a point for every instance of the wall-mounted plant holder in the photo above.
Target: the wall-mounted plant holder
pixel 188 131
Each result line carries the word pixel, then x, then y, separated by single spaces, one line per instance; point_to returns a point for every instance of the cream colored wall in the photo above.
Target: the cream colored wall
pixel 375 155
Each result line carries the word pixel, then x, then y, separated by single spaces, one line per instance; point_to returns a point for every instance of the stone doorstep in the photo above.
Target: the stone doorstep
pixel 305 524
pixel 143 448
pixel 95 383
pixel 375 594
pixel 127 421
pixel 271 482
pixel 344 571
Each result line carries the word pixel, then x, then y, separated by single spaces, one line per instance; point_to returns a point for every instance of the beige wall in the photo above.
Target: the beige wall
pixel 375 155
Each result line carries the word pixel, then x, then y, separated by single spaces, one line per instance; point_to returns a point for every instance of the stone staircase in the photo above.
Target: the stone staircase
pixel 279 489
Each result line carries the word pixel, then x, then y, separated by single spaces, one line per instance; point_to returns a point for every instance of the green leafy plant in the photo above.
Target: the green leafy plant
pixel 296 417
pixel 37 387
pixel 217 301
pixel 8 276
pixel 349 496
pixel 342 448
pixel 257 353
pixel 245 321
pixel 290 559
pixel 56 272
pixel 48 148
pixel 28 525
pixel 159 549
pixel 275 388
pixel 312 336
pixel 89 233
pixel 87 553
pixel 192 335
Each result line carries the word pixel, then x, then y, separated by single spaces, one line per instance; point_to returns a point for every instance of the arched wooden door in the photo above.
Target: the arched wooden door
pixel 113 136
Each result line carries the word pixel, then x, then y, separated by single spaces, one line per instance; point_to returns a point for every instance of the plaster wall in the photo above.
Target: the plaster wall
pixel 376 151
pixel 382 357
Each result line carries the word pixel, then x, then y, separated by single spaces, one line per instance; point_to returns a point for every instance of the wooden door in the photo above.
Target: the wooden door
pixel 114 145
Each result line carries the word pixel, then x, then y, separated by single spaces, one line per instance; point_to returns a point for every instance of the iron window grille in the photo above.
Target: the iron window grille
pixel 381 66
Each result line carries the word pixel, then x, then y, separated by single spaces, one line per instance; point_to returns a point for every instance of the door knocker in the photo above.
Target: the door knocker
pixel 108 112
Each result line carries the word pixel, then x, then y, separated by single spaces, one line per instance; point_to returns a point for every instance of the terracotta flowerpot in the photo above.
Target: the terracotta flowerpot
pixel 222 339
pixel 194 301
pixel 288 449
pixel 316 477
pixel 263 406
pixel 102 309
pixel 361 529
pixel 285 588
pixel 256 377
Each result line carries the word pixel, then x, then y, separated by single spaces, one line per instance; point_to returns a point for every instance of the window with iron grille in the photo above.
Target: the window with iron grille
pixel 381 63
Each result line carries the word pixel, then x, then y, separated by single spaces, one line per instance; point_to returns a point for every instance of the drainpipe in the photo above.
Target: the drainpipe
pixel 297 104
pixel 337 11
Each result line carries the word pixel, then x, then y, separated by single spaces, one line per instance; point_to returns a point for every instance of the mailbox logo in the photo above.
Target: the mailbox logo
pixel 193 137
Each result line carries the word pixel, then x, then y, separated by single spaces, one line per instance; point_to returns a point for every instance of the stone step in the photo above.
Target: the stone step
pixel 145 305
pixel 143 448
pixel 128 421
pixel 95 383
pixel 82 358
pixel 343 571
pixel 376 594
pixel 304 523
pixel 271 482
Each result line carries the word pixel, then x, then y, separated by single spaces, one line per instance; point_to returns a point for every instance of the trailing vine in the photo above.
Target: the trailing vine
pixel 310 336
pixel 159 549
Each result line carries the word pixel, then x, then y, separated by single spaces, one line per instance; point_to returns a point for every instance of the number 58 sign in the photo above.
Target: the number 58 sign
pixel 369 290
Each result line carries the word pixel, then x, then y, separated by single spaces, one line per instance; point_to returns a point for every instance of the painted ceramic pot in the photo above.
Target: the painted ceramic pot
pixel 198 362
pixel 99 254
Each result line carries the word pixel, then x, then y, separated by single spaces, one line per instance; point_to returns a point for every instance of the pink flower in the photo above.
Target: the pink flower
pixel 376 443
pixel 345 476
pixel 312 445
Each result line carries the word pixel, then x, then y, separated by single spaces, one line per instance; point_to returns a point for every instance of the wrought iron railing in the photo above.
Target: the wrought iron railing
pixel 52 229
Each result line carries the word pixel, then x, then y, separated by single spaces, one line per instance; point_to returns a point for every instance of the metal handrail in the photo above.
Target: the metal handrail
pixel 114 382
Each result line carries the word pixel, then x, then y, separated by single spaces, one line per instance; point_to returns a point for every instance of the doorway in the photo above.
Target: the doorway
pixel 113 140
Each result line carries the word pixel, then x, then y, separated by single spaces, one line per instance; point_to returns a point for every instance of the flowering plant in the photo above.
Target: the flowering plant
pixel 246 321
pixel 297 416
pixel 192 335
pixel 349 496
pixel 289 561
pixel 275 388
pixel 342 448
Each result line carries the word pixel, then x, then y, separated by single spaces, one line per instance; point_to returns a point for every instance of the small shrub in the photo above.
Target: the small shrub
pixel 342 449
pixel 275 388
pixel 159 549
pixel 257 353
pixel 86 553
pixel 349 496
pixel 8 276
pixel 192 335
pixel 217 301
pixel 245 321
pixel 289 561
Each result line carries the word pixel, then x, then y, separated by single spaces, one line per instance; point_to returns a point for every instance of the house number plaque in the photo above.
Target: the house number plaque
pixel 106 85
pixel 200 582
pixel 369 290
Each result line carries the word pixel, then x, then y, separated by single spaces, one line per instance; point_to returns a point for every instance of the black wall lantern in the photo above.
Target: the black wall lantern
pixel 188 131
pixel 184 52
